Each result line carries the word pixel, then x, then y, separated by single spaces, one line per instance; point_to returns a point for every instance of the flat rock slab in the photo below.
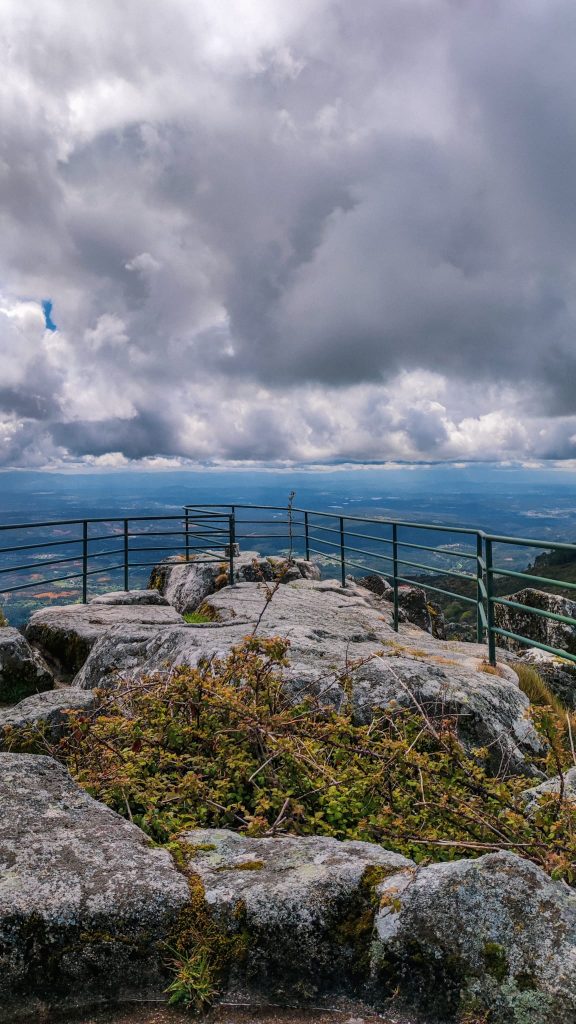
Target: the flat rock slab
pixel 334 631
pixel 493 934
pixel 303 907
pixel 67 634
pixel 85 904
pixel 44 712
pixel 130 597
pixel 22 669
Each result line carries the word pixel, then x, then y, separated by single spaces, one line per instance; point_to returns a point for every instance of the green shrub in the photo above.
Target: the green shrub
pixel 222 746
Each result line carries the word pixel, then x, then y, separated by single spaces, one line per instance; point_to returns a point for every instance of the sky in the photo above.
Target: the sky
pixel 259 233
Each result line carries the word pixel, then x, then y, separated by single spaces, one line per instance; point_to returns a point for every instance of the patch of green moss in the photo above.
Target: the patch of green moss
pixel 495 960
pixel 245 865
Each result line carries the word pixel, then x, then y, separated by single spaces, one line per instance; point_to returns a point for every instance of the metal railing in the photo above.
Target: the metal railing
pixel 123 549
pixel 465 554
pixel 105 549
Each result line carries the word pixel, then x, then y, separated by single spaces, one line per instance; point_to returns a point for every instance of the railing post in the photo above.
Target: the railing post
pixel 489 605
pixel 187 533
pixel 84 561
pixel 395 574
pixel 342 553
pixel 479 597
pixel 306 537
pixel 126 555
pixel 232 544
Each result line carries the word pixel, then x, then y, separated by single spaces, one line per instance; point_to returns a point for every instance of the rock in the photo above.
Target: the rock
pixel 413 605
pixel 303 906
pixel 376 584
pixel 187 584
pixel 67 634
pixel 22 670
pixel 536 627
pixel 43 711
pixel 488 939
pixel 85 903
pixel 556 785
pixel 558 673
pixel 333 631
pixel 130 597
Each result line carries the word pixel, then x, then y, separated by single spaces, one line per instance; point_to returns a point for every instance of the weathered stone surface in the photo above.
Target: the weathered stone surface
pixel 334 630
pixel 85 904
pixel 187 584
pixel 565 788
pixel 45 711
pixel 558 673
pixel 130 597
pixel 67 634
pixel 22 670
pixel 303 906
pixel 493 938
pixel 536 627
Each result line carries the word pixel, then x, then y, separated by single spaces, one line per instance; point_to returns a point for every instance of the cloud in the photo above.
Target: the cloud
pixel 296 233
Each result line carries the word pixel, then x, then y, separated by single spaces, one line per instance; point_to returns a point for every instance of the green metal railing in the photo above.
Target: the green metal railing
pixel 404 553
pixel 389 555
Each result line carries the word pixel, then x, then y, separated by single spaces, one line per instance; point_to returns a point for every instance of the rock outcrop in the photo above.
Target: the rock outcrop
pixel 493 938
pixel 187 584
pixel 545 631
pixel 304 908
pixel 43 712
pixel 85 903
pixel 67 634
pixel 336 632
pixel 22 670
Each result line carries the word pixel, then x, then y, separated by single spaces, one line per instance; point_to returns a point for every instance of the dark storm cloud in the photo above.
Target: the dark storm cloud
pixel 310 232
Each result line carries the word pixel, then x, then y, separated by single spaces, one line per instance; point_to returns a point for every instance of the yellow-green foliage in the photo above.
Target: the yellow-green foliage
pixel 222 746
pixel 3 619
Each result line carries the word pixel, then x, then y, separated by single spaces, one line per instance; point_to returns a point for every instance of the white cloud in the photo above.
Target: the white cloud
pixel 287 232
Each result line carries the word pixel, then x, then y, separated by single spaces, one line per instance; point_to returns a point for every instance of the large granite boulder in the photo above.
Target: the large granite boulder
pixel 66 634
pixel 187 584
pixel 304 908
pixel 492 939
pixel 336 633
pixel 22 669
pixel 85 903
pixel 43 714
pixel 545 631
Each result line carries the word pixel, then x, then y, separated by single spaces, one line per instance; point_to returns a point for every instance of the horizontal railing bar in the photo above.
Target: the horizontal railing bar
pixel 529 542
pixel 36 567
pixel 534 643
pixel 555 616
pixel 536 579
pixel 367 568
pixel 174 547
pixel 42 583
pixel 437 590
pixel 482 587
pixel 267 536
pixel 469 531
pixel 40 544
pixel 362 536
pixel 436 571
pixel 441 551
pixel 80 522
pixel 197 561
pixel 483 616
